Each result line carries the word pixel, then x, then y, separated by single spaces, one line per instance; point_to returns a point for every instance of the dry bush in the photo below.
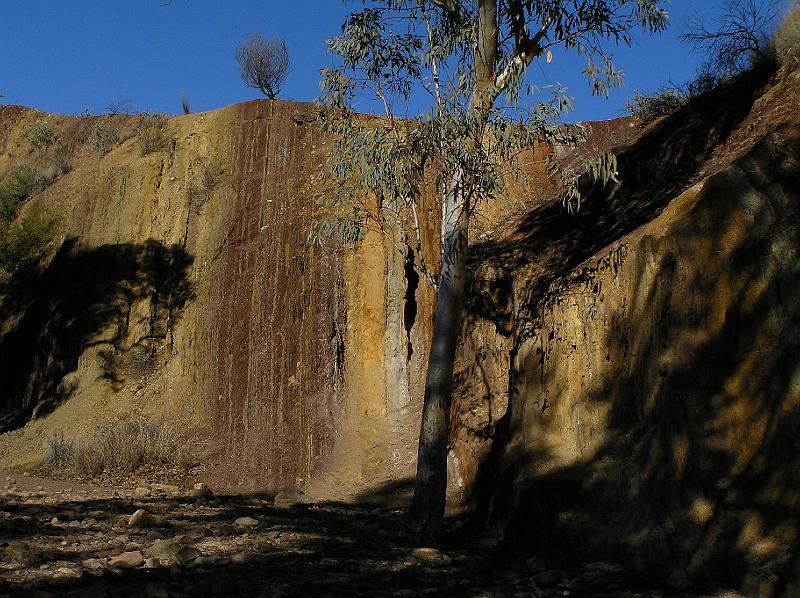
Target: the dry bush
pixel 787 38
pixel 151 133
pixel 59 161
pixel 649 107
pixel 185 105
pixel 736 37
pixel 60 452
pixel 125 446
pixel 263 64
pixel 209 178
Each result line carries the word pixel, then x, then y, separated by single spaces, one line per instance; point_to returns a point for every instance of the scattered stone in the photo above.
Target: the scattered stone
pixel 289 498
pixel 19 552
pixel 536 565
pixel 66 573
pixel 94 564
pixel 164 488
pixel 142 518
pixel 154 535
pixel 55 522
pixel 201 491
pixel 127 560
pixel 240 558
pixel 152 563
pixel 186 554
pixel 163 549
pixel 203 562
pixel 74 523
pixel 548 579
pixel 141 492
pixel 184 539
pixel 430 555
pixel 222 531
pixel 246 522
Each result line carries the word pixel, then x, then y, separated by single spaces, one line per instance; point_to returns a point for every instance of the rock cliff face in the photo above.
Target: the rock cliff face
pixel 185 292
pixel 628 381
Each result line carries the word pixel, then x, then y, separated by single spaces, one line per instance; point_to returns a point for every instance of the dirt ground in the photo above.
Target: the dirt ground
pixel 62 539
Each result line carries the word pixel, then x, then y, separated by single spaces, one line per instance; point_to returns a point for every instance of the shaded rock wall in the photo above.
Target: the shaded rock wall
pixel 654 399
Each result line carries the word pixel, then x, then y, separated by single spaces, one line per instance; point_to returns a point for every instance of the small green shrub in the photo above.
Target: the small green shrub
pixel 151 133
pixel 19 183
pixel 25 240
pixel 41 135
pixel 787 38
pixel 28 239
pixel 103 137
pixel 648 108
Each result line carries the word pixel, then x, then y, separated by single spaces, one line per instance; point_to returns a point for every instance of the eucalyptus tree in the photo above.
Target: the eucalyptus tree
pixel 467 60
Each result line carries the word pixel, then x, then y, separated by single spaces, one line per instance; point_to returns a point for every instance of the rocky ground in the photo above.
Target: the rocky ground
pixel 159 540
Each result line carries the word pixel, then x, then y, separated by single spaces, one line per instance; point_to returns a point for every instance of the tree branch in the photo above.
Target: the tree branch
pixel 453 9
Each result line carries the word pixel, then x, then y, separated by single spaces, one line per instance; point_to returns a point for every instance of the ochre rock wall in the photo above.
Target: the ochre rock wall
pixel 287 364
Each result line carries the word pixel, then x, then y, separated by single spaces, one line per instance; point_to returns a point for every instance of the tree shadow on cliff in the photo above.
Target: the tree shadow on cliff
pixel 83 298
pixel 510 276
pixel 699 468
pixel 661 163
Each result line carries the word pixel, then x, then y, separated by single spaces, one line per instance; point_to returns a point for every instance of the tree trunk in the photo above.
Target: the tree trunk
pixel 428 505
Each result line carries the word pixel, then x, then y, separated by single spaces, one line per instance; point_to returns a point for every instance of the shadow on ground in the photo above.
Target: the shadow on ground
pixel 309 550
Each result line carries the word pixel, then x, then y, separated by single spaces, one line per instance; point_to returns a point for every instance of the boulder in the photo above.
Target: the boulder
pixel 127 560
pixel 142 518
pixel 246 522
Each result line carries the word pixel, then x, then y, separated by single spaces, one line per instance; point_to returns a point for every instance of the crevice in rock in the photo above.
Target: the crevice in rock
pixel 410 303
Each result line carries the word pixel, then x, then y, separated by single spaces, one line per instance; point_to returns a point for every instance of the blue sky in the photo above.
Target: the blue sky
pixel 67 57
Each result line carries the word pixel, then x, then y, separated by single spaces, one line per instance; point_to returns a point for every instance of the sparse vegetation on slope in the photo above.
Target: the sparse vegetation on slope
pixel 103 137
pixel 23 240
pixel 787 38
pixel 120 448
pixel 151 133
